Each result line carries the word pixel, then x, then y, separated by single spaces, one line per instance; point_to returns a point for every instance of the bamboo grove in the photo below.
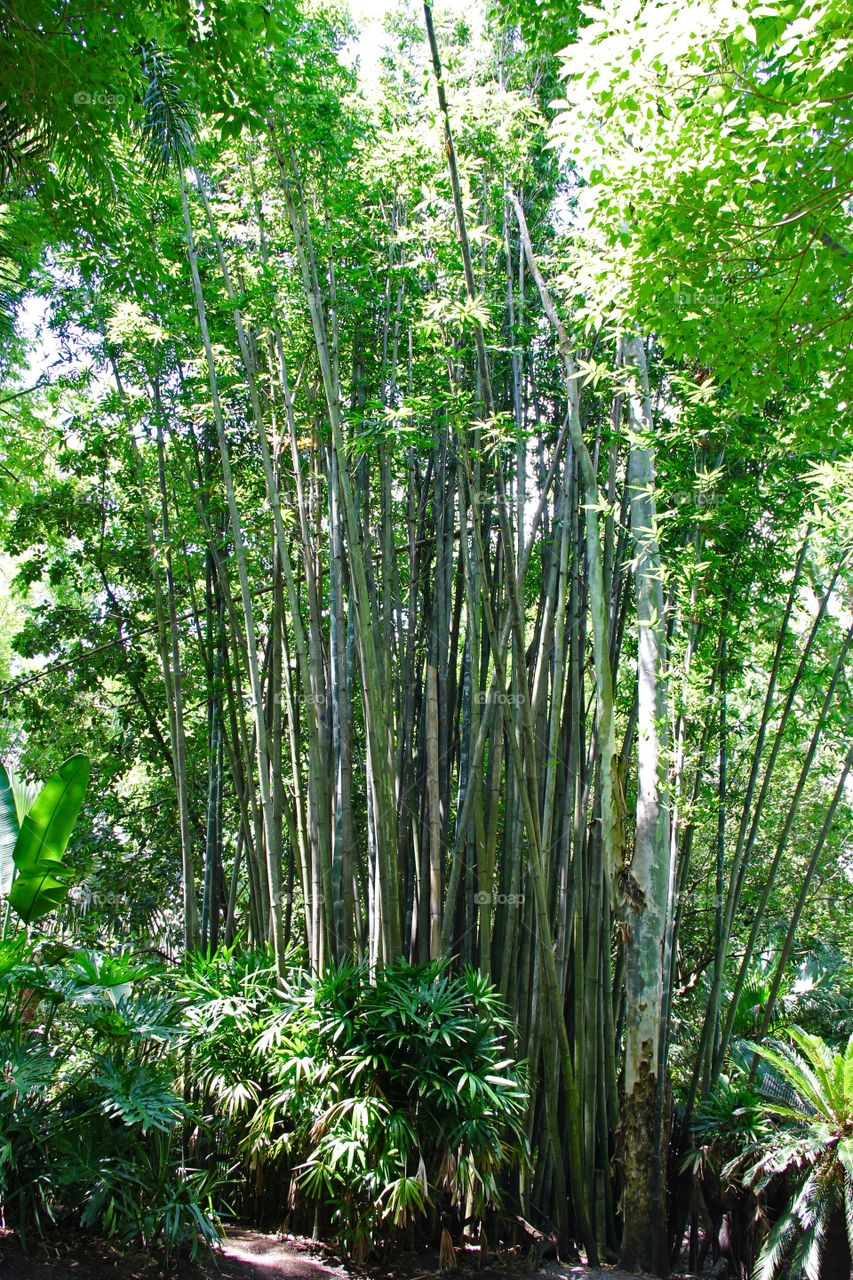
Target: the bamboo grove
pixel 411 604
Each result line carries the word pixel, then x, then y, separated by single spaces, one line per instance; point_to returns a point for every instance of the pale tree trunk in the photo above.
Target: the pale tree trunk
pixel 645 882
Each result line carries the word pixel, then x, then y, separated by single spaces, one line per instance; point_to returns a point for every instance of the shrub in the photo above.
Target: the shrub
pixel 90 1115
pixel 392 1094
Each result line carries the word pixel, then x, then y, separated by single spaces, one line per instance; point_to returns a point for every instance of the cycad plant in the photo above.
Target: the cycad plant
pixel 808 1103
pixel 813 993
pixel 728 1128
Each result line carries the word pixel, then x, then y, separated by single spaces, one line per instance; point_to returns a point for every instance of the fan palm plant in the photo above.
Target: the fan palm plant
pixel 808 1101
pixel 415 1097
pixel 383 1098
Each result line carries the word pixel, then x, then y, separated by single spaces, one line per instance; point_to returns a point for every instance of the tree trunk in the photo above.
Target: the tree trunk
pixel 645 883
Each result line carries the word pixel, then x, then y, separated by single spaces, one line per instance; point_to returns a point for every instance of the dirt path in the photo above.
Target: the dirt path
pixel 267 1256
pixel 263 1255
pixel 569 1271
pixel 248 1255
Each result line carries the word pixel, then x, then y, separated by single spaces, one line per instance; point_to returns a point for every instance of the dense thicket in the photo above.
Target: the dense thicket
pixel 427 503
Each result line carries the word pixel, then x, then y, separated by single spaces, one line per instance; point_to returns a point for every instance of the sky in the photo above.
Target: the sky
pixel 370 16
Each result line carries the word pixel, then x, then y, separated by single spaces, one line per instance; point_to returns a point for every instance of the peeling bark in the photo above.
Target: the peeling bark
pixel 646 882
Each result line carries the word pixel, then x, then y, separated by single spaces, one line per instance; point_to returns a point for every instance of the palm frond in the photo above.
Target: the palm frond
pixel 798 1070
pixel 776 1247
pixel 169 126
pixel 22 144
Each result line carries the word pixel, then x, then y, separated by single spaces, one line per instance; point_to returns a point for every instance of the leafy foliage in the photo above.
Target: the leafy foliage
pixel 811 1142
pixel 390 1095
pixel 259 524
pixel 41 884
pixel 90 1116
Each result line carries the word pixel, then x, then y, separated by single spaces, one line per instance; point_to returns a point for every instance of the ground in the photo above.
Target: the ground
pixel 246 1255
